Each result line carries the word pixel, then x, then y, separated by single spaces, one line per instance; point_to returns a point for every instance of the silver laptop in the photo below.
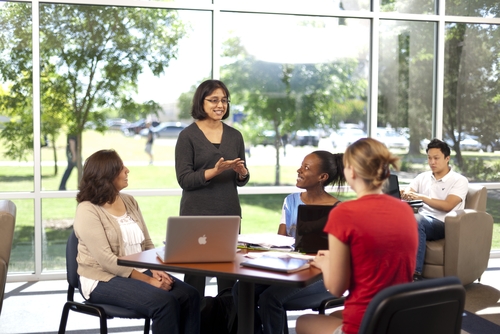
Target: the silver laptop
pixel 194 239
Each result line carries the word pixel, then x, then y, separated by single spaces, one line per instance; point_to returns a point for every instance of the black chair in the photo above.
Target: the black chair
pixel 103 311
pixel 433 306
pixel 317 302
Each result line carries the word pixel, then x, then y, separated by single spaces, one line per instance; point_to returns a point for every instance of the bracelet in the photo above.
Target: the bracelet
pixel 244 176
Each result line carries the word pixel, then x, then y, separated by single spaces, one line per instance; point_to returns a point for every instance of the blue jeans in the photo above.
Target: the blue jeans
pixel 176 311
pixel 429 228
pixel 269 300
pixel 67 173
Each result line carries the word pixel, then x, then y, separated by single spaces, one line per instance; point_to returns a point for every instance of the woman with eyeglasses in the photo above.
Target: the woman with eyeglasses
pixel 210 163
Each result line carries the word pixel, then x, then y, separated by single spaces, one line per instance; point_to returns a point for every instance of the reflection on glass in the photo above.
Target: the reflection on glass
pixel 278 5
pixel 487 9
pixel 57 223
pixel 22 256
pixel 492 208
pixel 471 119
pixel 16 98
pixel 109 75
pixel 406 82
pixel 408 6
pixel 295 78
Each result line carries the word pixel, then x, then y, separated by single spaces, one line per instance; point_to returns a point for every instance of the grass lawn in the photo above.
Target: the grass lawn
pixel 261 213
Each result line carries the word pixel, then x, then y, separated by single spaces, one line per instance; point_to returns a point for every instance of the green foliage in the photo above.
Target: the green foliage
pixel 288 97
pixel 90 59
pixel 480 170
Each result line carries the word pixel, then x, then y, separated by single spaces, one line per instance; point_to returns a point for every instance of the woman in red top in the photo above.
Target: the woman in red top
pixel 372 241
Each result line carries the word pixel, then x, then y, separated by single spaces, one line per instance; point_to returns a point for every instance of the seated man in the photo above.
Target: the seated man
pixel 441 190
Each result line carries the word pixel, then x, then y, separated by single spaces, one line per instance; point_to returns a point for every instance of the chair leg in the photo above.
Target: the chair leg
pixel 104 323
pixel 64 319
pixel 146 325
pixel 285 324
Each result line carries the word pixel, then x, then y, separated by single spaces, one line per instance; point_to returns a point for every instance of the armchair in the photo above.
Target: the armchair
pixel 7 223
pixel 465 250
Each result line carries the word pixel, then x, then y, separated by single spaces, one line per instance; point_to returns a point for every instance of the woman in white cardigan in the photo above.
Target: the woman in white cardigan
pixel 109 224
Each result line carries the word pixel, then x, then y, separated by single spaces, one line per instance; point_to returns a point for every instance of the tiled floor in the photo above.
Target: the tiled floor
pixel 35 307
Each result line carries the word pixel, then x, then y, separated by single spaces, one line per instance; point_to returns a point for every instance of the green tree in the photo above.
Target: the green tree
pixel 90 57
pixel 288 97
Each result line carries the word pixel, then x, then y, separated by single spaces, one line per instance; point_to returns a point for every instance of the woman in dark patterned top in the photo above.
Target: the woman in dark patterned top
pixel 210 163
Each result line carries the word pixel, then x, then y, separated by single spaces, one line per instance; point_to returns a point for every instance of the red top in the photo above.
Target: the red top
pixel 381 232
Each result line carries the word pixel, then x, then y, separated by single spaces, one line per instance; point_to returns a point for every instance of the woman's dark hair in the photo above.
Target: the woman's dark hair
pixel 436 143
pixel 99 172
pixel 205 89
pixel 333 165
pixel 371 160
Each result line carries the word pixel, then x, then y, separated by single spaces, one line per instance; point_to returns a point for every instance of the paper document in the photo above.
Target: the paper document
pixel 267 240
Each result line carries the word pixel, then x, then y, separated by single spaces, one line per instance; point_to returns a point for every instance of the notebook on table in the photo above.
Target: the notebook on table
pixel 311 220
pixel 196 239
pixel 393 190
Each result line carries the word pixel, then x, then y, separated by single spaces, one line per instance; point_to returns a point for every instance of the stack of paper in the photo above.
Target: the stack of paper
pixel 266 241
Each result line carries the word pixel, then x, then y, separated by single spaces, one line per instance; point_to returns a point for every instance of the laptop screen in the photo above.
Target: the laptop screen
pixel 311 220
pixel 392 188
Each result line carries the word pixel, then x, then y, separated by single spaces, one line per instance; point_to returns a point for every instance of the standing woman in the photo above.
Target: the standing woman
pixel 372 240
pixel 210 163
pixel 109 224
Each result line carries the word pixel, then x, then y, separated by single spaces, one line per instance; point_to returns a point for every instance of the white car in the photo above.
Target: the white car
pixel 345 137
pixel 392 139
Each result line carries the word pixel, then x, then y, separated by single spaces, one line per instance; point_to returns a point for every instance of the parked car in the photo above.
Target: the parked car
pixel 491 146
pixel 116 123
pixel 305 137
pixel 346 136
pixel 165 130
pixel 265 138
pixel 468 143
pixel 392 139
pixel 136 127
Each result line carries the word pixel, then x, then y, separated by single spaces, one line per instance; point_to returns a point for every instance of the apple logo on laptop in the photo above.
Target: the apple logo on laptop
pixel 202 240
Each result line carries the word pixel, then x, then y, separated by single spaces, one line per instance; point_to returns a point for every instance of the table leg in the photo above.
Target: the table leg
pixel 246 306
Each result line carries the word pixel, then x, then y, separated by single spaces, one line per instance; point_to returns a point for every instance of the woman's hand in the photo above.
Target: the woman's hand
pixel 320 259
pixel 162 280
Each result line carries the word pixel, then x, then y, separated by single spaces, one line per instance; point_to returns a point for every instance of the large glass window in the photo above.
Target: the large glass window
pixel 471 114
pixel 111 74
pixel 16 98
pixel 296 80
pixel 409 6
pixel 300 80
pixel 406 75
pixel 22 256
pixel 487 9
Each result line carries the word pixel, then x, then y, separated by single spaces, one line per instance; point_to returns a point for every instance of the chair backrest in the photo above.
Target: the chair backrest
pixel 71 264
pixel 476 198
pixel 433 306
pixel 7 224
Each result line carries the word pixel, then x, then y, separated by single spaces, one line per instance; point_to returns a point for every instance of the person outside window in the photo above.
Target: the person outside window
pixel 149 143
pixel 71 144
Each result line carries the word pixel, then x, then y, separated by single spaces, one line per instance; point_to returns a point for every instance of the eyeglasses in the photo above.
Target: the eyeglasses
pixel 217 101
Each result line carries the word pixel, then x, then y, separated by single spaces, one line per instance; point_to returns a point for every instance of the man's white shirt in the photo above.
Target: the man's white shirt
pixel 451 184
